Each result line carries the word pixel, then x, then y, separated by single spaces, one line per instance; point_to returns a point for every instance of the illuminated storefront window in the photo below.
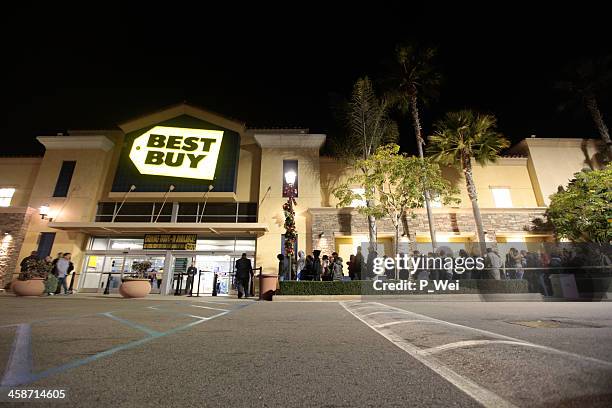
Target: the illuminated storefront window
pixel 6 195
pixel 501 197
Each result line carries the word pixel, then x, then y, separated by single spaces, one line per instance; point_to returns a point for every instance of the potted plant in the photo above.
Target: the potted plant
pixel 31 281
pixel 137 285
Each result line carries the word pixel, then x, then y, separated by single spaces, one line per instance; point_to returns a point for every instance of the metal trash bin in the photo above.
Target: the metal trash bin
pixel 267 286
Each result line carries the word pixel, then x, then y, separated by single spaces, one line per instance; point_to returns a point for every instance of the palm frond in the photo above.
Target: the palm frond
pixel 466 133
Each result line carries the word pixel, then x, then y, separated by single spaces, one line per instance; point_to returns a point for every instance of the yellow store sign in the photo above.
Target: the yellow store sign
pixel 177 152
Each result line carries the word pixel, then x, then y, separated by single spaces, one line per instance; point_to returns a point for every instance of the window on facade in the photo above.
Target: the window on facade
pixel 6 195
pixel 357 202
pixel 501 197
pixel 45 243
pixel 63 180
pixel 435 202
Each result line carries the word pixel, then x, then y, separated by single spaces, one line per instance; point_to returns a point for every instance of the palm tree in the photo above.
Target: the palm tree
pixel 368 127
pixel 460 137
pixel 587 82
pixel 413 78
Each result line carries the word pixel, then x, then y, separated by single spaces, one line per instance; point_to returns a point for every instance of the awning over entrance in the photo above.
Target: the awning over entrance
pixel 123 228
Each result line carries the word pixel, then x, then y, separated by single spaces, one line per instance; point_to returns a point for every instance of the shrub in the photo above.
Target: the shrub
pixel 485 286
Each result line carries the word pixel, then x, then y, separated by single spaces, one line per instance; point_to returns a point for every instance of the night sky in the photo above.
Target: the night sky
pixel 94 67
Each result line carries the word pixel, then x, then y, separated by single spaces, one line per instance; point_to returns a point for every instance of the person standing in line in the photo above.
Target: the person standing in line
pixel 316 265
pixel 68 272
pixel 24 262
pixel 191 273
pixel 62 270
pixel 51 280
pixel 54 262
pixel 159 275
pixel 308 271
pixel 516 263
pixel 493 262
pixel 351 267
pixel 244 270
pixel 326 268
pixel 359 264
pixel 301 264
pixel 337 273
pixel 282 267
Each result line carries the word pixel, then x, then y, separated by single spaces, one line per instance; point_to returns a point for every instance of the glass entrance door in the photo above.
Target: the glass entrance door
pixel 101 271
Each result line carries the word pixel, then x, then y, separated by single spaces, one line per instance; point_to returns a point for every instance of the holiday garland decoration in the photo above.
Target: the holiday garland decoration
pixel 290 234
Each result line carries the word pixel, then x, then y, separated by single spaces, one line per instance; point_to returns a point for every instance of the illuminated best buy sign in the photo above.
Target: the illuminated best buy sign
pixel 177 152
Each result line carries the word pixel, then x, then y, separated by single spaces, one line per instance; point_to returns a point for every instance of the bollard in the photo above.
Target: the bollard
pixel 179 284
pixel 108 281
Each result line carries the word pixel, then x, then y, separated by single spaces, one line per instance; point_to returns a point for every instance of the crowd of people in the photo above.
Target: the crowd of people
pixel 535 267
pixel 61 267
pixel 322 268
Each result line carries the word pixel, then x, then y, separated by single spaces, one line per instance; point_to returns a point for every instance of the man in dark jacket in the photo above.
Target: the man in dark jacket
pixel 191 273
pixel 24 262
pixel 358 264
pixel 244 271
pixel 316 265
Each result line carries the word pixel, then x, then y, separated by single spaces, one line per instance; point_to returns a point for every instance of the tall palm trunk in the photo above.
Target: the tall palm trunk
pixel 371 229
pixel 466 163
pixel 417 130
pixel 593 108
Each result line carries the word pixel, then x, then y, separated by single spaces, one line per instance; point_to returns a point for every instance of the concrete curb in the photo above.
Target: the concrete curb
pixel 501 297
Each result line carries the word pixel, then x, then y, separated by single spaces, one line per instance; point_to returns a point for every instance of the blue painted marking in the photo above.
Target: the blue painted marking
pixel 57 318
pixel 137 326
pixel 111 351
pixel 19 367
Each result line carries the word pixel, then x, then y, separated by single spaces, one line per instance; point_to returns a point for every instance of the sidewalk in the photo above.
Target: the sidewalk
pixel 149 297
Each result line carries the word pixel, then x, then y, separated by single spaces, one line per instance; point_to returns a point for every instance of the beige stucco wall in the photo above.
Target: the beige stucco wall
pixel 247 184
pixel 271 200
pixel 554 162
pixel 19 173
pixel 86 188
pixel 511 173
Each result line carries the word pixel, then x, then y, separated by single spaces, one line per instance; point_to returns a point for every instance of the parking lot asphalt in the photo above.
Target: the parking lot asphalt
pixel 224 352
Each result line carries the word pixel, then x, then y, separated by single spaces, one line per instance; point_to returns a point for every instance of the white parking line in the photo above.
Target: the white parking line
pixel 19 365
pixel 211 308
pixel 604 363
pixel 215 303
pixel 393 323
pixel 478 393
pixel 469 343
pixel 385 312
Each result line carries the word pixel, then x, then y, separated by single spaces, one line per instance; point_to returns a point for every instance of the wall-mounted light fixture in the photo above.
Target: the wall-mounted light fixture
pixel 44 212
pixel 321 234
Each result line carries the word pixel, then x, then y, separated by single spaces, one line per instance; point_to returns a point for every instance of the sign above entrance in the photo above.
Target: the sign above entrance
pixel 170 241
pixel 177 152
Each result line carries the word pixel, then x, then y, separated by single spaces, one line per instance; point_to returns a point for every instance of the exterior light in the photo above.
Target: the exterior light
pixel 44 211
pixel 290 177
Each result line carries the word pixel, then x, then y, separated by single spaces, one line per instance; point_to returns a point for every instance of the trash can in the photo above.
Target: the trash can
pixel 564 285
pixel 267 286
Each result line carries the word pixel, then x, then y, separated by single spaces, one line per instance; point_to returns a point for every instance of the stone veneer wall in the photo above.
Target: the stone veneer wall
pixel 15 223
pixel 347 222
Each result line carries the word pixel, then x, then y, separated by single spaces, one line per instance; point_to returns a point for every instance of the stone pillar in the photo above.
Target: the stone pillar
pixel 325 243
pixel 13 227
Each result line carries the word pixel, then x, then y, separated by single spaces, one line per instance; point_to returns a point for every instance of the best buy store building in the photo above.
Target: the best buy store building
pixel 143 191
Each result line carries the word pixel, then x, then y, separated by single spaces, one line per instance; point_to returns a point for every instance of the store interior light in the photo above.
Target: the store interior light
pixel 290 177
